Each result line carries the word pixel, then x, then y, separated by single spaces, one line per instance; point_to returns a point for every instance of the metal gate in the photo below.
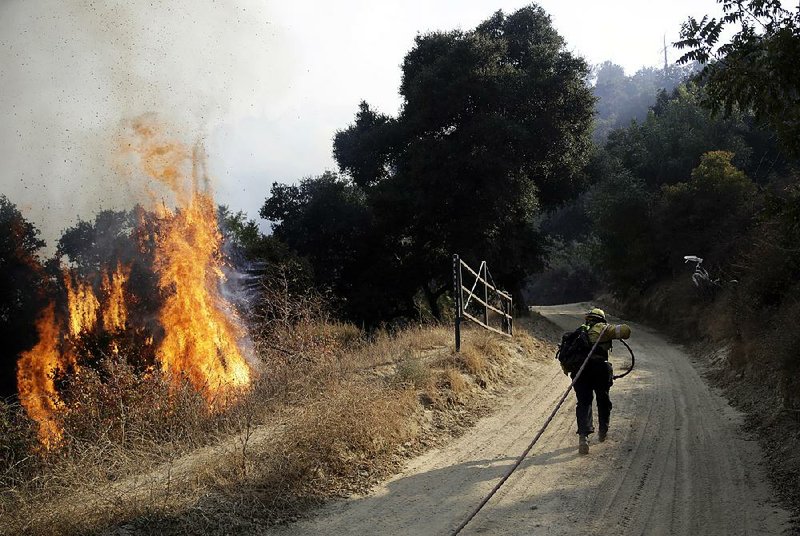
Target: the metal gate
pixel 503 300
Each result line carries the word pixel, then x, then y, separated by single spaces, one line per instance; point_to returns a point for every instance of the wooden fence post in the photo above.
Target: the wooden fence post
pixel 485 292
pixel 457 298
pixel 511 315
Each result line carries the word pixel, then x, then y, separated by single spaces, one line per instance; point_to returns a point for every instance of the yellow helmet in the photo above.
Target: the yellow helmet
pixel 596 314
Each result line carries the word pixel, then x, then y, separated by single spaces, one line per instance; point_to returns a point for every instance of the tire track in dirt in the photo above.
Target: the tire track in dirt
pixel 674 463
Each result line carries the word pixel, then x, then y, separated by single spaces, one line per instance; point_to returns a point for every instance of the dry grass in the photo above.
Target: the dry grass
pixel 483 356
pixel 415 373
pixel 454 381
pixel 332 412
pixel 386 348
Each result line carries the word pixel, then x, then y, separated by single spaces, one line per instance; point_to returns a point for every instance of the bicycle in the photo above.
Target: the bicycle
pixel 701 277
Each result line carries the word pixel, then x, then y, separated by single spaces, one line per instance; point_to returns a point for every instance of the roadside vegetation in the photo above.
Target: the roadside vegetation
pixel 573 183
pixel 333 410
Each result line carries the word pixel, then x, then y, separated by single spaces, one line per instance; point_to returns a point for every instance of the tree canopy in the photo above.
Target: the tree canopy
pixel 757 68
pixel 622 99
pixel 494 126
pixel 22 289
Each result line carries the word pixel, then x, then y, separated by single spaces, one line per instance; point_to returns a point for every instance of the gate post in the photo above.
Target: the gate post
pixel 485 293
pixel 457 298
pixel 511 314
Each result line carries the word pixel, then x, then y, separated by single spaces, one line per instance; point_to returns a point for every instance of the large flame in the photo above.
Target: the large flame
pixel 201 333
pixel 200 339
pixel 35 377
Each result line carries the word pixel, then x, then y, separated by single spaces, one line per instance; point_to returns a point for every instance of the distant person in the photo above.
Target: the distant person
pixel 597 376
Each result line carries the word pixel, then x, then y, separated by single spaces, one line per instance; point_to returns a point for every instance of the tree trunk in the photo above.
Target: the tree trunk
pixel 433 301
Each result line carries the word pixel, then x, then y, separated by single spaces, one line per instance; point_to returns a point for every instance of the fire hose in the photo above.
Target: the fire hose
pixel 541 431
pixel 633 362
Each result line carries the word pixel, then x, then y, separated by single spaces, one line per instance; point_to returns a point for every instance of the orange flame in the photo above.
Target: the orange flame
pixel 201 333
pixel 115 313
pixel 83 305
pixel 35 371
pixel 200 338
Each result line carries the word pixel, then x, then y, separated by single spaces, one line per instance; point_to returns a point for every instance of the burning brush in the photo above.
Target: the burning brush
pixel 197 336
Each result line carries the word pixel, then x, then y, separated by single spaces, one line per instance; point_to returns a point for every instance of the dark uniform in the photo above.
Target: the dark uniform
pixel 596 378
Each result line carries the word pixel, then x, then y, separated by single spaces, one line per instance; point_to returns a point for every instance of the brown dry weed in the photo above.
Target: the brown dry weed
pixel 332 412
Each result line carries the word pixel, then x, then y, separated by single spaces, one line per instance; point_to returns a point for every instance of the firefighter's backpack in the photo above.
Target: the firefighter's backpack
pixel 574 348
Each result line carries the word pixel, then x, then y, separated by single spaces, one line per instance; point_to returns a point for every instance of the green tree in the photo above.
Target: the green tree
pixel 261 260
pixel 94 245
pixel 494 126
pixel 328 222
pixel 757 68
pixel 708 214
pixel 364 149
pixel 23 286
pixel 669 144
pixel 621 207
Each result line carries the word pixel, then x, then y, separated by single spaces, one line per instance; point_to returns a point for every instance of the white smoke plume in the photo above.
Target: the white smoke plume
pixel 72 71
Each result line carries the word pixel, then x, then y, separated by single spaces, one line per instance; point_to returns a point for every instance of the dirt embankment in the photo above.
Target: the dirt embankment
pixel 766 419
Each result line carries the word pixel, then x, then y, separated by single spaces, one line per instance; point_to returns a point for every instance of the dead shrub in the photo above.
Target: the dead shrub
pixel 452 387
pixel 115 404
pixel 17 435
pixel 489 345
pixel 414 372
pixel 454 380
pixel 528 344
pixel 472 360
pixel 424 338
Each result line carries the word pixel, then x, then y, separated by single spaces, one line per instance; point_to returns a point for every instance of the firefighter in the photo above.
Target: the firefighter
pixel 596 378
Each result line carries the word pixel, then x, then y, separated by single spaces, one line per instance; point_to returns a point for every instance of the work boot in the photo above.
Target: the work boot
pixel 583 445
pixel 601 435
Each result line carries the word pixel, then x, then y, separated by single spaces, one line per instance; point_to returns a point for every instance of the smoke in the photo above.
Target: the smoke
pixel 73 71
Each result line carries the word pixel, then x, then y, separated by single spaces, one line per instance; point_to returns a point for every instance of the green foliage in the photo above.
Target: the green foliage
pixel 250 249
pixel 622 99
pixel 677 132
pixel 324 219
pixel 494 126
pixel 621 208
pixel 569 275
pixel 757 69
pixel 91 246
pixel 238 231
pixel 707 215
pixel 364 149
pixel 327 221
pixel 770 265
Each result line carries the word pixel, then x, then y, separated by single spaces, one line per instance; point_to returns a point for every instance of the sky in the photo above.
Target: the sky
pixel 264 85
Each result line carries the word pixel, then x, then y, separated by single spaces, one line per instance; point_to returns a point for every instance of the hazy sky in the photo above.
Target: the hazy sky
pixel 264 84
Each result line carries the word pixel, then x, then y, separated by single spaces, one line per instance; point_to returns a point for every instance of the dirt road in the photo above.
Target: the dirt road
pixel 675 462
